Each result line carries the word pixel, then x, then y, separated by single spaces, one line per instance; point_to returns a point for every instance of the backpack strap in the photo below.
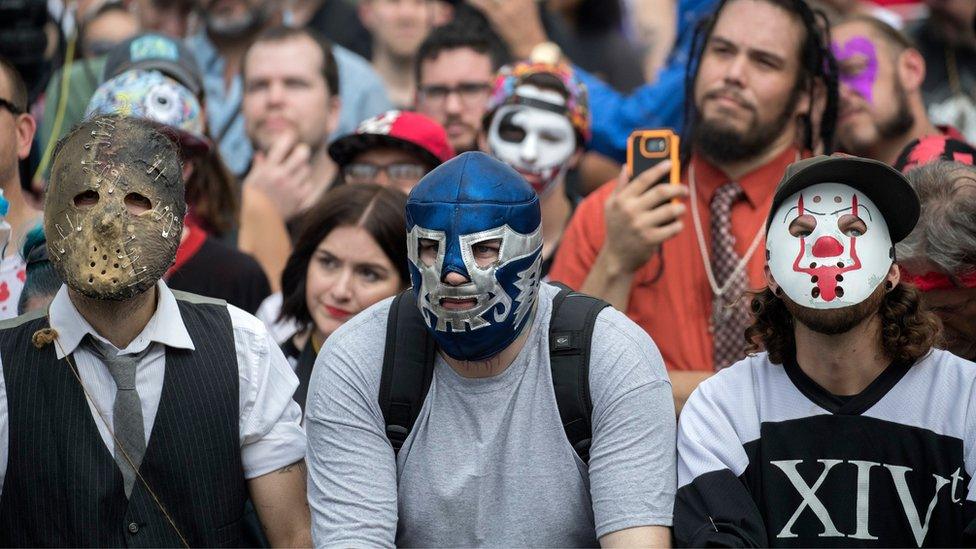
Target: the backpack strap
pixel 408 366
pixel 570 337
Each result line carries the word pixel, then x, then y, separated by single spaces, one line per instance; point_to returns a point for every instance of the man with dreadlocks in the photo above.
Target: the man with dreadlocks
pixel 849 429
pixel 131 414
pixel 679 268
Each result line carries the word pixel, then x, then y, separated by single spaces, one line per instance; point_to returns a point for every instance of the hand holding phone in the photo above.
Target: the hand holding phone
pixel 648 148
pixel 641 213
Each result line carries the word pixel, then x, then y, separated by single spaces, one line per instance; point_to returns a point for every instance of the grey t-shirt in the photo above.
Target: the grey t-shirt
pixel 488 462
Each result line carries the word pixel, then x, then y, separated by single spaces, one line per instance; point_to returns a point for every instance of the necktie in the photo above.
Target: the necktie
pixel 130 434
pixel 729 315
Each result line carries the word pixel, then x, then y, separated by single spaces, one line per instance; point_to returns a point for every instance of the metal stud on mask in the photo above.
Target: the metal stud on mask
pixel 113 216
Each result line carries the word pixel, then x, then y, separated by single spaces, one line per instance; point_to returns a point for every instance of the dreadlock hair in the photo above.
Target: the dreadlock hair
pixel 817 62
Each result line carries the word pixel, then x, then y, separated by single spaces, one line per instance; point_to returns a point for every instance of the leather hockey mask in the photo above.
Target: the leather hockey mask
pixel 114 211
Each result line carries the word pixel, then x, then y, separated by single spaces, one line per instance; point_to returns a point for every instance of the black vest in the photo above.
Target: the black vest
pixel 62 486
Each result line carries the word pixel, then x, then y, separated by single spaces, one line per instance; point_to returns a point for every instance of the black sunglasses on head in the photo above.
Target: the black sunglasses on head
pixel 14 109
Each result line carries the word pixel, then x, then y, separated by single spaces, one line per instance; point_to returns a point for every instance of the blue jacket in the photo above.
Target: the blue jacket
pixel 656 105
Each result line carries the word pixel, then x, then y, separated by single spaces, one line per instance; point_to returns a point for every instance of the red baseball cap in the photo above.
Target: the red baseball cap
pixel 405 130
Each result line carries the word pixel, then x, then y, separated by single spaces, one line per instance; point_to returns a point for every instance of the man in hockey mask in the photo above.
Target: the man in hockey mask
pixel 132 403
pixel 114 213
pixel 448 390
pixel 842 391
pixel 538 122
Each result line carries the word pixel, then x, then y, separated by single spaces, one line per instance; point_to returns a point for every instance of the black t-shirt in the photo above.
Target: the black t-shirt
pixel 220 271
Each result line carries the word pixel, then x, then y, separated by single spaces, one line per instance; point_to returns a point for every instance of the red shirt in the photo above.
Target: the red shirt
pixel 676 308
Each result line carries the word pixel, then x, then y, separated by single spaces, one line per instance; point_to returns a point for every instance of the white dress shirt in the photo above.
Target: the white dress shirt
pixel 270 420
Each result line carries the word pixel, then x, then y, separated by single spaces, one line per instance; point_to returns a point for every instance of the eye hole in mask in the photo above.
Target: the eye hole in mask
pixel 86 199
pixel 137 204
pixel 427 250
pixel 486 252
pixel 852 225
pixel 803 226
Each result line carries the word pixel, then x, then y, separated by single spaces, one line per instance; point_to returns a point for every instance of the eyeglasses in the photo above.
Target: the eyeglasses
pixel 401 172
pixel 470 93
pixel 14 109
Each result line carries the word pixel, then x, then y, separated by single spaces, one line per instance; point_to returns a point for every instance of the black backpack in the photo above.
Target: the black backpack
pixel 408 365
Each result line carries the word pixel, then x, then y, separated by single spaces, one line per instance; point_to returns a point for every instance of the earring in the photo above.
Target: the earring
pixel 778 292
pixel 889 286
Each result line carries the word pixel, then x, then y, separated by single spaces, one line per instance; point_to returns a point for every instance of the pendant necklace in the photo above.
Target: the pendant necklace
pixel 720 312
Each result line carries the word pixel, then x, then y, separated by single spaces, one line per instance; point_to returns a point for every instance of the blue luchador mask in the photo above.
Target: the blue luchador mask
pixel 468 201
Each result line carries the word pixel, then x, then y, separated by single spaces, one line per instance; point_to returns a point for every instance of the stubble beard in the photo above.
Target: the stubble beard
pixel 893 128
pixel 836 321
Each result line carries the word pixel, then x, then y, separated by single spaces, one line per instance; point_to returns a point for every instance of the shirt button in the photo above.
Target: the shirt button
pixel 133 528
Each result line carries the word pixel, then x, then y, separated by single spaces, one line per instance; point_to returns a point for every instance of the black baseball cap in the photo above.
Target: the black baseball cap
pixel 884 185
pixel 150 51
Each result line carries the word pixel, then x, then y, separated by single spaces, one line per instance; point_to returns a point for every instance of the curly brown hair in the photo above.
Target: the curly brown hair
pixel 909 330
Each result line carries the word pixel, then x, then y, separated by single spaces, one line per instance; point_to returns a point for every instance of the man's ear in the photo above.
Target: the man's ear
pixel 574 160
pixel 805 103
pixel 189 166
pixel 911 69
pixel 365 11
pixel 893 277
pixel 26 128
pixel 770 281
pixel 334 106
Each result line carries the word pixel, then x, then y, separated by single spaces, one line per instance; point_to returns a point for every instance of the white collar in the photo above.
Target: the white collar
pixel 166 325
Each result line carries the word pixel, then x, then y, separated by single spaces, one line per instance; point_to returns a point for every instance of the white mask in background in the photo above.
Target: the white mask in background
pixel 533 138
pixel 828 247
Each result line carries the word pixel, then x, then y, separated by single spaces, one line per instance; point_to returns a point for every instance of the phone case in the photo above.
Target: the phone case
pixel 640 157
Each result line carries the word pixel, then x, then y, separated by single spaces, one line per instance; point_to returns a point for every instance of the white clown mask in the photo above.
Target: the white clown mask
pixel 534 136
pixel 828 246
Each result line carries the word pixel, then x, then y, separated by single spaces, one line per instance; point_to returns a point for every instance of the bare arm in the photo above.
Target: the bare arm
pixel 642 536
pixel 609 281
pixel 683 383
pixel 282 506
pixel 263 234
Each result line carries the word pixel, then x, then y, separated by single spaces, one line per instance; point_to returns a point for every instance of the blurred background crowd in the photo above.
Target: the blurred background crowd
pixel 302 123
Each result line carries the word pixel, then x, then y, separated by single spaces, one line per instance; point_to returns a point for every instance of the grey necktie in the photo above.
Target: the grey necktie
pixel 130 434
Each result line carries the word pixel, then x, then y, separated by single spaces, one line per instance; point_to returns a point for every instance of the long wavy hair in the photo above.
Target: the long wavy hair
pixel 908 329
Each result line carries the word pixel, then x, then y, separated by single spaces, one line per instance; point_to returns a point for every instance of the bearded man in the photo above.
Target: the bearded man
pixel 131 414
pixel 678 258
pixel 849 428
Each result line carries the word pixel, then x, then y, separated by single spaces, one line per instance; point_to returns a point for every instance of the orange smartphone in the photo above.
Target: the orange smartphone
pixel 647 148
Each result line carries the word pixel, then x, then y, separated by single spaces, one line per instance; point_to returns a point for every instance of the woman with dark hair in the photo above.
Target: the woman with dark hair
pixel 351 253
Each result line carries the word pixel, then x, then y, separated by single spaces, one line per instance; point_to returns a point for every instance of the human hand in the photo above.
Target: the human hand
pixel 283 175
pixel 517 22
pixel 640 216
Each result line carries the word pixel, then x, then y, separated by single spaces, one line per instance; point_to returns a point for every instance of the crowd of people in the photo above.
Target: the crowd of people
pixel 383 272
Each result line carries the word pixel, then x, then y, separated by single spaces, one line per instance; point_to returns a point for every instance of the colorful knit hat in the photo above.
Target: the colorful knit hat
pixel 510 77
